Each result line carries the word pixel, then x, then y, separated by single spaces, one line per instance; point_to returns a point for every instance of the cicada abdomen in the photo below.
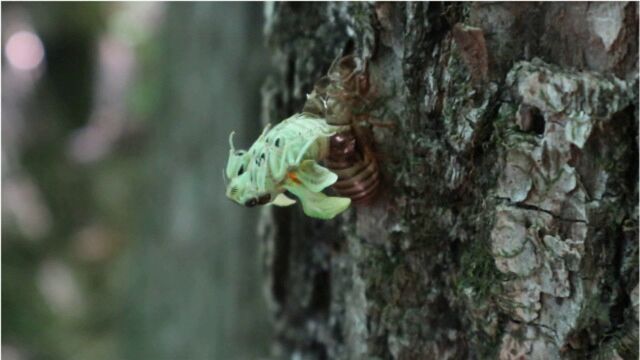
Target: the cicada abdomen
pixel 336 97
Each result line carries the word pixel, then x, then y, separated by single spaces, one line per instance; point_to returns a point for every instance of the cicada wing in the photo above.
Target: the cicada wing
pixel 317 204
pixel 315 177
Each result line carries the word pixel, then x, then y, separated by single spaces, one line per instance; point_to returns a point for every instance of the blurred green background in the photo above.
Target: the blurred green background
pixel 117 239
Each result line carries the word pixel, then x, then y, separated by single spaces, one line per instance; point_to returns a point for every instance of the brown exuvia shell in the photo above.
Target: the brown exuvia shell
pixel 350 156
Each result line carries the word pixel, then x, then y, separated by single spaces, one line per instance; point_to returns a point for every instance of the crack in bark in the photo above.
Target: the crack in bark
pixel 536 208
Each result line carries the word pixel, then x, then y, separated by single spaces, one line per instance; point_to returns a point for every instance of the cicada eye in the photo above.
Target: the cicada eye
pixel 264 199
pixel 241 170
pixel 260 200
pixel 251 202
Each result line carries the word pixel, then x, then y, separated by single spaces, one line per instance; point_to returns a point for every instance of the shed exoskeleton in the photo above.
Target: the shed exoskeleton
pixel 342 98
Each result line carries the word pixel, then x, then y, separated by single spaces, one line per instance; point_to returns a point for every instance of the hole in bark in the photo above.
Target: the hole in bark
pixel 530 119
pixel 537 121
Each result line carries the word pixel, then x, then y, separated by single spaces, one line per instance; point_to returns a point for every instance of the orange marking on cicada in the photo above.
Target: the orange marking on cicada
pixel 293 177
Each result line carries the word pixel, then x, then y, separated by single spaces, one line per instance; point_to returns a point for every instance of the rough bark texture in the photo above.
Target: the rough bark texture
pixel 508 223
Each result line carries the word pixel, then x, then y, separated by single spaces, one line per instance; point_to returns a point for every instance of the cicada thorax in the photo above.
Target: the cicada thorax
pixel 350 153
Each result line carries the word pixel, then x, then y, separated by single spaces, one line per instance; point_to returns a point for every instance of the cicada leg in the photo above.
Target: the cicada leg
pixel 262 176
pixel 278 164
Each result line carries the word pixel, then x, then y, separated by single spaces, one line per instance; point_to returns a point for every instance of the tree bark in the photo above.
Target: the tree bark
pixel 508 221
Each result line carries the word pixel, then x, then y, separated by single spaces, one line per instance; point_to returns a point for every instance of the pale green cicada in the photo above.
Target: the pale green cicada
pixel 285 158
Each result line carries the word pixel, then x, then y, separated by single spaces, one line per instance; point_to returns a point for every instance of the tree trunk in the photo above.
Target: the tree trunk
pixel 507 223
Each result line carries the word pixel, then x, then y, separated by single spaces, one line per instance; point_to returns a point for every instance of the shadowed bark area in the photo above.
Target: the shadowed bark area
pixel 508 221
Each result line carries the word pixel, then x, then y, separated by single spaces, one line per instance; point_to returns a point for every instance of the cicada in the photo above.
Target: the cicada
pixel 285 158
pixel 288 156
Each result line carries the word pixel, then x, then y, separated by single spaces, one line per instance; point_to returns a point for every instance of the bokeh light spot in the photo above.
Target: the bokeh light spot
pixel 24 50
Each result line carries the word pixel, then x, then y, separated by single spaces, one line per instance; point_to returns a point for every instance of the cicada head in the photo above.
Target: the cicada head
pixel 243 191
pixel 242 187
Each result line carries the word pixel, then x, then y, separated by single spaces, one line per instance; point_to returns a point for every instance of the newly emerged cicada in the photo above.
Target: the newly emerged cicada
pixel 287 157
